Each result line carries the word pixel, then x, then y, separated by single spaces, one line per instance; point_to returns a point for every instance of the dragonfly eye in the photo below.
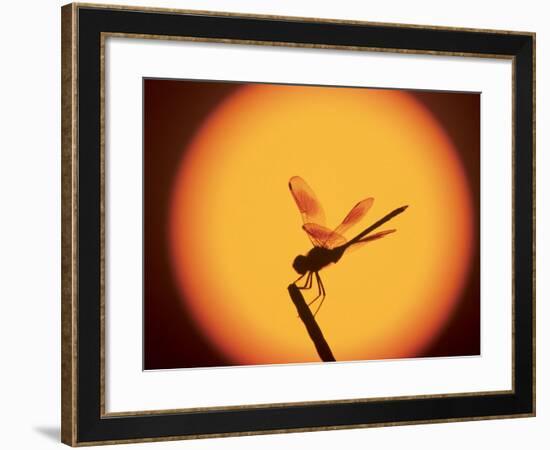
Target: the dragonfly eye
pixel 300 264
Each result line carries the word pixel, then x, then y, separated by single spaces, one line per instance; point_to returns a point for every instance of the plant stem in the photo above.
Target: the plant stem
pixel 311 325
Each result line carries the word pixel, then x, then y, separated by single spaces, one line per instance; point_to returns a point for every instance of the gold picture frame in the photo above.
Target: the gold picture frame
pixel 85 420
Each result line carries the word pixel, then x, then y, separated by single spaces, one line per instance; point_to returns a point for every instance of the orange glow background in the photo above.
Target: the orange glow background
pixel 232 228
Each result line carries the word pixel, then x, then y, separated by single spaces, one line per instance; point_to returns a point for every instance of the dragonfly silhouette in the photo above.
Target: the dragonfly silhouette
pixel 329 245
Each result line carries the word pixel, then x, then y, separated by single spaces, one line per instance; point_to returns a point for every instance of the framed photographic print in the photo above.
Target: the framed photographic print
pixel 280 224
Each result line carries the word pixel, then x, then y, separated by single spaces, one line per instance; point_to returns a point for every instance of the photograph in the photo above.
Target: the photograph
pixel 288 224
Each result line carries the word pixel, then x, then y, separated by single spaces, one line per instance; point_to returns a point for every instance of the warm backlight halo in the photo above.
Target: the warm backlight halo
pixel 235 230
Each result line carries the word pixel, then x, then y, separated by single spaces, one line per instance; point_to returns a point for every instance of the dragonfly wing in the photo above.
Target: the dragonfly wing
pixel 372 237
pixel 322 236
pixel 310 208
pixel 355 215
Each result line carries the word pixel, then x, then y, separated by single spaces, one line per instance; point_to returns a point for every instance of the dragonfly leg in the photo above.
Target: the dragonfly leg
pixel 308 282
pixel 299 278
pixel 324 293
pixel 318 291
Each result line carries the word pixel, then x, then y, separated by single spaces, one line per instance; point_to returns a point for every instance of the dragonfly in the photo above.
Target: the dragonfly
pixel 329 245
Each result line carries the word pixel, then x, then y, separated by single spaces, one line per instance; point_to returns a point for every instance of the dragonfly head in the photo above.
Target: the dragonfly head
pixel 300 264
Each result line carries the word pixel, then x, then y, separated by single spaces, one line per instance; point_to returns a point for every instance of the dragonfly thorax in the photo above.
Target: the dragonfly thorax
pixel 316 259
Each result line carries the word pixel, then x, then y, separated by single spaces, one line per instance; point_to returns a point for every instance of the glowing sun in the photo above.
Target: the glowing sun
pixel 234 228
